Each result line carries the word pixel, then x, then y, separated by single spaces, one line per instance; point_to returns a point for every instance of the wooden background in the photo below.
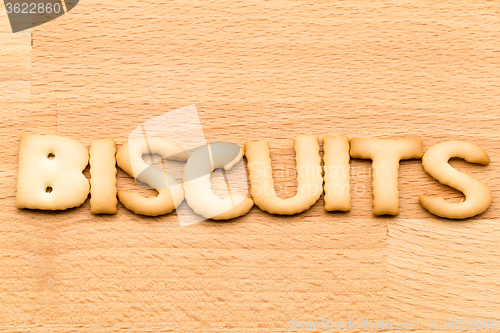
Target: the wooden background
pixel 255 70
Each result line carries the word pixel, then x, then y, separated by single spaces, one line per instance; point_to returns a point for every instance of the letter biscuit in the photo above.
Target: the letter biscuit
pixel 50 173
pixel 170 193
pixel 309 176
pixel 337 179
pixel 197 186
pixel 477 195
pixel 385 156
pixel 103 177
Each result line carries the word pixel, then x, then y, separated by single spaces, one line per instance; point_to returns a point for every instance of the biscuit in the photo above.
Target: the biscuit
pixel 197 187
pixel 309 176
pixel 385 156
pixel 337 180
pixel 477 195
pixel 103 177
pixel 50 173
pixel 170 193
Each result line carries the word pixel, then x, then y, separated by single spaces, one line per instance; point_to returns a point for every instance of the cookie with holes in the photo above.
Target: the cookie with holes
pixel 50 173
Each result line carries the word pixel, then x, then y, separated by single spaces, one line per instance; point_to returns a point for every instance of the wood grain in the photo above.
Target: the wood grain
pixel 15 67
pixel 255 70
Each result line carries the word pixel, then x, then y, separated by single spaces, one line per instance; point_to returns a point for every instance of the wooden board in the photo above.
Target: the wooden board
pixel 255 70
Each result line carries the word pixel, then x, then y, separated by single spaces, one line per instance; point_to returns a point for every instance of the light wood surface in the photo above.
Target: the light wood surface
pixel 255 70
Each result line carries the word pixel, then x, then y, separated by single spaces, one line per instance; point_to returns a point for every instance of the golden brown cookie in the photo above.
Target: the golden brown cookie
pixel 170 193
pixel 385 156
pixel 50 173
pixel 477 195
pixel 103 177
pixel 197 186
pixel 309 176
pixel 337 178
